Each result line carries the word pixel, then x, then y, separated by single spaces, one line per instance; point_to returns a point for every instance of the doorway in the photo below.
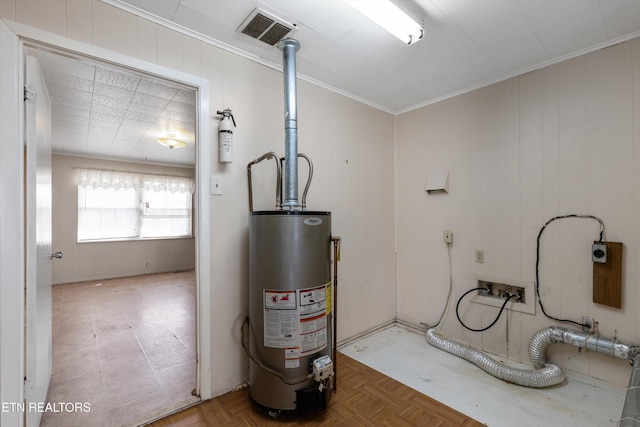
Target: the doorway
pixel 163 79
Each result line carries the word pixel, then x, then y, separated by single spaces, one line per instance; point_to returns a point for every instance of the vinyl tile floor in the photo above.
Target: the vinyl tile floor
pixel 125 347
pixel 403 354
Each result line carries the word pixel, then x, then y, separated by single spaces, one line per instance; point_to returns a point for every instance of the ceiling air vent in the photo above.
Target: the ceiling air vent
pixel 263 26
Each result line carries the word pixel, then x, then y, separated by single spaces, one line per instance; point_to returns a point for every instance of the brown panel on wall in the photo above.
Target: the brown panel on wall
pixel 607 277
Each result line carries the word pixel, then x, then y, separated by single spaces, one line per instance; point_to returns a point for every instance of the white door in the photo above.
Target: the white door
pixel 38 239
pixel 11 228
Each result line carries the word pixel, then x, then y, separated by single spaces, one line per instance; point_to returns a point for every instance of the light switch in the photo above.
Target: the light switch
pixel 216 185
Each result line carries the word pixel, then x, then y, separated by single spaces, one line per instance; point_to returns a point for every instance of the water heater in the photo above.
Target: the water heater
pixel 289 331
pixel 290 307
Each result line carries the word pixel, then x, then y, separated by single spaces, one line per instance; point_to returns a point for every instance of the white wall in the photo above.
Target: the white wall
pixel 353 168
pixel 94 261
pixel 561 140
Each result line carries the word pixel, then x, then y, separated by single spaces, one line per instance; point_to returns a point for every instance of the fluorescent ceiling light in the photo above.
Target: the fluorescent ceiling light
pixel 391 18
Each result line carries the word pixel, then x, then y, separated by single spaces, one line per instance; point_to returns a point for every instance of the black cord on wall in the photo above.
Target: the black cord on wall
pixel 538 262
pixel 494 320
pixel 446 305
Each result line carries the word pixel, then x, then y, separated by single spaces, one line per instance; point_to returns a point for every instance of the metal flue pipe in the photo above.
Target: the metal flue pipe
pixel 289 48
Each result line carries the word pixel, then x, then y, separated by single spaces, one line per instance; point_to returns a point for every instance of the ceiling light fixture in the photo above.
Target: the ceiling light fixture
pixel 171 142
pixel 391 18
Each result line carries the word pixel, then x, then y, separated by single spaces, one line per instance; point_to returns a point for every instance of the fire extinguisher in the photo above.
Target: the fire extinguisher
pixel 225 136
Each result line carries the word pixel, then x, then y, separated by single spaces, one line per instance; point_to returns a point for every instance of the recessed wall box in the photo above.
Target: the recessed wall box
pixel 438 182
pixel 501 288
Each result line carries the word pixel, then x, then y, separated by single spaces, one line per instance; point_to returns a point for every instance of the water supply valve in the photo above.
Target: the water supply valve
pixel 322 368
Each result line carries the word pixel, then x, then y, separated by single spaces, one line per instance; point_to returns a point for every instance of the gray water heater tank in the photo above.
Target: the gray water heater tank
pixel 290 312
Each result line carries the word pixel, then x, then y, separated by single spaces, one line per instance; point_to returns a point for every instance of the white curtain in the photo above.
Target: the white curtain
pixel 115 205
pixel 116 180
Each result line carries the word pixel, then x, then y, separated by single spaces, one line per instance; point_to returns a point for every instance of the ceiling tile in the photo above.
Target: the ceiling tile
pixel 137 116
pixel 185 96
pixel 117 79
pixel 105 119
pixel 113 91
pixel 55 79
pixel 74 99
pixel 157 89
pixel 60 64
pixel 150 100
pixel 116 106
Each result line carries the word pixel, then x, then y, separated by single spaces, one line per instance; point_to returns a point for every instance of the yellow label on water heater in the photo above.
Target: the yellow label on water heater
pixel 329 297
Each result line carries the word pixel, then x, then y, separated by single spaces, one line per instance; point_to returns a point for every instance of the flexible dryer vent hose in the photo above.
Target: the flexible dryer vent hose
pixel 544 375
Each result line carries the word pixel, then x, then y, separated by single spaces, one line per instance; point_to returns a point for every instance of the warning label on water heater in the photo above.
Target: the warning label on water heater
pixel 280 319
pixel 296 321
pixel 313 319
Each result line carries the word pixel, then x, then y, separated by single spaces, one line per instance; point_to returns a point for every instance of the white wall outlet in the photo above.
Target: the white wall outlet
pixel 447 237
pixel 479 256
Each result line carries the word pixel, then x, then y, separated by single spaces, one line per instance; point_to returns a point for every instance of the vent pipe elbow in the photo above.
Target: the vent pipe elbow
pixel 539 343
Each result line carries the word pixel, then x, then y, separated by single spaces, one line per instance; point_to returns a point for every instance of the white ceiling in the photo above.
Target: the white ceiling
pixel 467 43
pixel 105 112
pixel 101 111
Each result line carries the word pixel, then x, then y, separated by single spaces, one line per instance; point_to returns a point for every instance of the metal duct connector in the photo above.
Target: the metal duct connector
pixel 289 48
pixel 631 408
pixel 608 346
pixel 544 376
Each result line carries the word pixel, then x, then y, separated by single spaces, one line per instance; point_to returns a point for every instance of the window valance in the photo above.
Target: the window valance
pixel 116 180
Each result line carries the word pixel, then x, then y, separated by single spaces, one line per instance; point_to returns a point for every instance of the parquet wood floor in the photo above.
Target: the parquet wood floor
pixel 364 397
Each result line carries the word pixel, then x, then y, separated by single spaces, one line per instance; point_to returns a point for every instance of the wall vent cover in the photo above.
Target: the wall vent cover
pixel 262 25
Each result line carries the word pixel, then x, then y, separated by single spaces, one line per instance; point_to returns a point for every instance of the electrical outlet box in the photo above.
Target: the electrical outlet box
pixel 447 237
pixel 588 324
pixel 479 256
pixel 599 253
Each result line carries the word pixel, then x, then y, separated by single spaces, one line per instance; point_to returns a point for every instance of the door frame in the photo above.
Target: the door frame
pixel 12 222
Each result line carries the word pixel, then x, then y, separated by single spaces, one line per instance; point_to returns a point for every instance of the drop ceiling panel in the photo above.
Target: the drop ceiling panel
pixel 98 110
pixel 118 79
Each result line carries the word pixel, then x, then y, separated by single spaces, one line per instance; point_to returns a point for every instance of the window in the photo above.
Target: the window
pixel 116 205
